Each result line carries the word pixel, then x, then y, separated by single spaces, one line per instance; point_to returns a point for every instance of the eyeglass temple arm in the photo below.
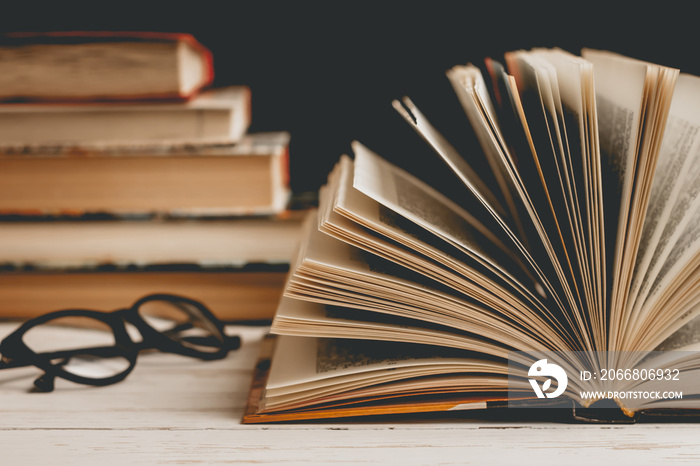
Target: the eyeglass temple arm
pixel 103 351
pixel 231 342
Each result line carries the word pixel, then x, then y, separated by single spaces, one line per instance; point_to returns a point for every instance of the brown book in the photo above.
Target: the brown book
pixel 230 294
pixel 235 265
pixel 46 243
pixel 250 177
pixel 102 65
pixel 565 271
pixel 216 116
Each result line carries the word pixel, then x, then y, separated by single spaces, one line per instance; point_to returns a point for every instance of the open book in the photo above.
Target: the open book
pixel 574 257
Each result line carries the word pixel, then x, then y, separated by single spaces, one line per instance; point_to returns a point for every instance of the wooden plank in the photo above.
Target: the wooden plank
pixel 174 410
pixel 383 445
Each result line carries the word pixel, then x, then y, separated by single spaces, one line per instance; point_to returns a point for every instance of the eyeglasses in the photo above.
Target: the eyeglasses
pixel 102 351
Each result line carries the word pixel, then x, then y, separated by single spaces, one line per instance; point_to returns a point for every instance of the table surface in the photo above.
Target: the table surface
pixel 175 410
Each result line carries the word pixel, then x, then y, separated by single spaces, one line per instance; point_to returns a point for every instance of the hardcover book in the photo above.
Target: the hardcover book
pixel 575 254
pixel 234 293
pixel 216 116
pixel 123 173
pixel 102 65
pixel 247 178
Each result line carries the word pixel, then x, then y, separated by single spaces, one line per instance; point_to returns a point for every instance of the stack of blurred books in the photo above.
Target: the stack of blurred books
pixel 123 172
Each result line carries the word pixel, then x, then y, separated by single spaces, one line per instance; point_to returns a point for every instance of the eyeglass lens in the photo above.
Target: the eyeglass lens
pixel 78 345
pixel 183 323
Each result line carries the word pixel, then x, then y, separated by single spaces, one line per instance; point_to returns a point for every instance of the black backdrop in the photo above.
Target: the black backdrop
pixel 327 71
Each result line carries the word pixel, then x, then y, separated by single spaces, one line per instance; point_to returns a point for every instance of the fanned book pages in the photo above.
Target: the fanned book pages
pixel 574 256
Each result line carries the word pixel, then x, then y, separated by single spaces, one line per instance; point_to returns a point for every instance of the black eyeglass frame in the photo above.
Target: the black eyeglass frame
pixel 16 353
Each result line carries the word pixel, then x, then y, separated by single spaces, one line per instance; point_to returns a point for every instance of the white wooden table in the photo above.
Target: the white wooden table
pixel 173 410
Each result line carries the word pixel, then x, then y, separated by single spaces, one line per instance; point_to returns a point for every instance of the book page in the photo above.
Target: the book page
pixel 512 227
pixel 332 272
pixel 450 155
pixel 531 234
pixel 382 232
pixel 309 368
pixel 345 211
pixel 464 80
pixel 422 205
pixel 306 318
pixel 298 360
pixel 619 98
pixel 304 362
pixel 557 132
pixel 634 98
pixel 577 93
pixel 682 261
pixel 424 252
pixel 686 338
pixel 674 202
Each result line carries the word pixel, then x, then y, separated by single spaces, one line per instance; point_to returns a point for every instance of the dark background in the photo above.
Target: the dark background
pixel 327 71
